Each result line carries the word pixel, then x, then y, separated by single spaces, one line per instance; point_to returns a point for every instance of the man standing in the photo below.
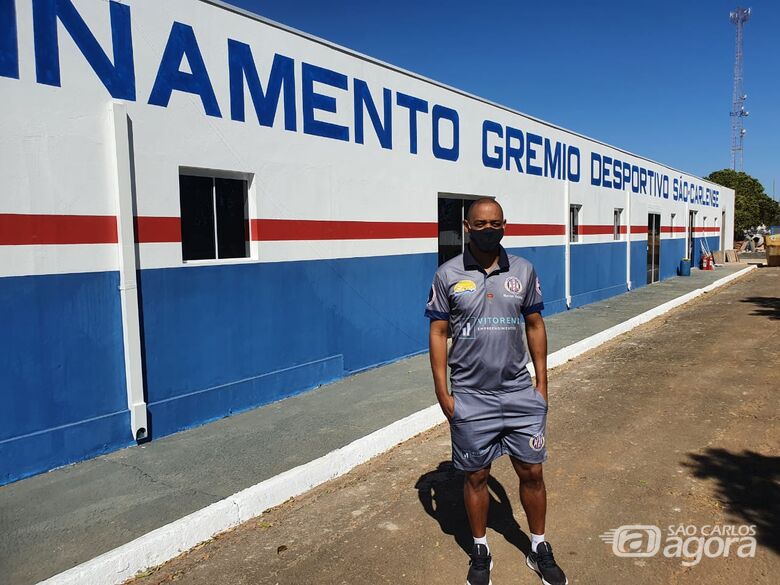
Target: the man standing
pixel 494 407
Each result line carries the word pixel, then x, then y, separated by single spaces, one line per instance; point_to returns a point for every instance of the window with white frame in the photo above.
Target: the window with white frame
pixel 574 222
pixel 617 222
pixel 214 217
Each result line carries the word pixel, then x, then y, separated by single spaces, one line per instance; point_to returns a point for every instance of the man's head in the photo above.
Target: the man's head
pixel 485 223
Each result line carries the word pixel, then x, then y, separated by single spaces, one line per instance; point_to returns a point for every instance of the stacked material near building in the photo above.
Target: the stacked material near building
pixel 204 212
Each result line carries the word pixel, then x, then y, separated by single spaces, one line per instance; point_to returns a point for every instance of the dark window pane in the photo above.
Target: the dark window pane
pixel 450 228
pixel 574 223
pixel 616 226
pixel 232 223
pixel 197 217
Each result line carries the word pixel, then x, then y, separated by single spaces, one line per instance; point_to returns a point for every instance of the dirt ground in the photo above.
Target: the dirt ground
pixel 675 423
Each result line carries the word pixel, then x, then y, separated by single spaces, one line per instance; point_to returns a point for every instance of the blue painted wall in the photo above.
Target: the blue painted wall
pixel 638 264
pixel 294 325
pixel 548 262
pixel 672 251
pixel 61 371
pixel 598 271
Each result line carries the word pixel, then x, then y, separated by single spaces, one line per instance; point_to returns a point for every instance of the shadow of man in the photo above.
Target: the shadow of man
pixel 441 495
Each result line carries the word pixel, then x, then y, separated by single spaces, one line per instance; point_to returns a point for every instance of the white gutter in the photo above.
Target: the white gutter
pixel 629 284
pixel 131 324
pixel 567 248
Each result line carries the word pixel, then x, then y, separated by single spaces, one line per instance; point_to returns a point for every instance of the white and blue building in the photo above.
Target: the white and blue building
pixel 202 212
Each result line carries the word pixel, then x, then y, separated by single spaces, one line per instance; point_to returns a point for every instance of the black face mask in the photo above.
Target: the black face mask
pixel 486 239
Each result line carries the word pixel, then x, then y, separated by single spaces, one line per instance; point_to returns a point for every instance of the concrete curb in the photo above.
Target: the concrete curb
pixel 171 540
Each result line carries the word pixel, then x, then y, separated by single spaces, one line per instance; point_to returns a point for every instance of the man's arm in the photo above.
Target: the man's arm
pixel 437 342
pixel 537 346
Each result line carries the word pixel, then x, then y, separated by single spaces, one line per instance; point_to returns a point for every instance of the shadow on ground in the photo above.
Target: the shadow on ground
pixel 765 306
pixel 748 484
pixel 441 495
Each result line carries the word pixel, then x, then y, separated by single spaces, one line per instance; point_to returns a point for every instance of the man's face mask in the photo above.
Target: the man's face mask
pixel 486 239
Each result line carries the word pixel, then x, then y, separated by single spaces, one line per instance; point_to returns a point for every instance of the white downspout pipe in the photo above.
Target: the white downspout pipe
pixel 131 323
pixel 567 248
pixel 689 251
pixel 629 284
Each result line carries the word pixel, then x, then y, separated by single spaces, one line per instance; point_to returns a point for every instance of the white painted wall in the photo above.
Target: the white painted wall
pixel 55 148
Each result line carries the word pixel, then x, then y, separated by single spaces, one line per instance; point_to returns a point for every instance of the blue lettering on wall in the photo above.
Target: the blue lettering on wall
pixel 595 169
pixel 118 77
pixel 439 113
pixel 494 160
pixel 543 157
pixel 501 145
pixel 644 181
pixel 313 101
pixel 530 154
pixel 9 44
pixel 282 77
pixel 514 153
pixel 606 180
pixel 552 159
pixel 414 105
pixel 363 100
pixel 573 162
pixel 617 174
pixel 182 43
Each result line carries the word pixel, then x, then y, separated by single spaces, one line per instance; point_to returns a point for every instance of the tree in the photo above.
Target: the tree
pixel 752 206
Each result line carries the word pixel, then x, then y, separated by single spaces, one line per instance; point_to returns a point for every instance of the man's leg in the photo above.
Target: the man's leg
pixel 533 494
pixel 477 500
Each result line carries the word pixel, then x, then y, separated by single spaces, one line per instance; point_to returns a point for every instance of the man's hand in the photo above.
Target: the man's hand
pixel 438 352
pixel 536 334
pixel 448 406
pixel 542 388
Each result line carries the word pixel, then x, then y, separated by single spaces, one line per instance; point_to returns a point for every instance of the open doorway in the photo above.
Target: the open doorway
pixel 453 209
pixel 691 231
pixel 653 247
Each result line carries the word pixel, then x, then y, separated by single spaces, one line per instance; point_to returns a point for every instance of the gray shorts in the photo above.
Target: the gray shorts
pixel 485 426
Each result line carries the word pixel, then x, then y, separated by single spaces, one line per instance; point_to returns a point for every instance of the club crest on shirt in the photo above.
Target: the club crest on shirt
pixel 513 285
pixel 537 442
pixel 464 286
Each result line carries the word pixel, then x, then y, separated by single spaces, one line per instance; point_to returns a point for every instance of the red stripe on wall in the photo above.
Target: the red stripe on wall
pixel 607 229
pixel 535 229
pixel 22 229
pixel 265 230
pixel 706 229
pixel 667 229
pixel 593 230
pixel 150 229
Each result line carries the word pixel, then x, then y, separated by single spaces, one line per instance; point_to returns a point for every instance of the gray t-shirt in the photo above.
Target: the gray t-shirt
pixel 488 351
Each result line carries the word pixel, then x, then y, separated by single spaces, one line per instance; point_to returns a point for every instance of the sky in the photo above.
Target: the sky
pixel 651 77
